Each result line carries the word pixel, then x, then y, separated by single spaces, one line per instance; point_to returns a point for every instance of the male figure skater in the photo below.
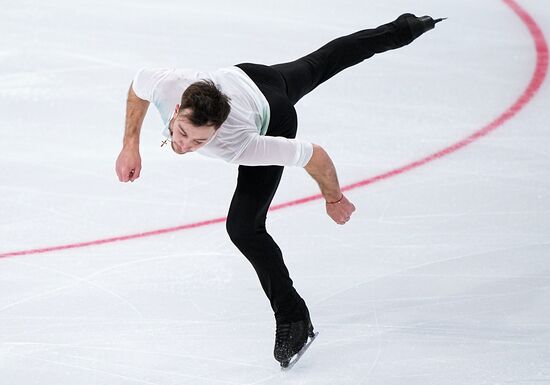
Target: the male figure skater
pixel 245 115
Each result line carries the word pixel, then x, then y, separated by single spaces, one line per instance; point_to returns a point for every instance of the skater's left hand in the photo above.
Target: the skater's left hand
pixel 341 210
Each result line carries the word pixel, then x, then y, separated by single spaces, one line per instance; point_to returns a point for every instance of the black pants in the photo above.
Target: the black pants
pixel 283 85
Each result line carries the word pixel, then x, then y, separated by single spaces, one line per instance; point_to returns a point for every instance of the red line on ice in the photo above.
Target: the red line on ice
pixel 534 85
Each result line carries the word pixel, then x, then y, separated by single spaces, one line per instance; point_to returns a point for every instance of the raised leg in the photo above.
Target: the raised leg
pixel 303 75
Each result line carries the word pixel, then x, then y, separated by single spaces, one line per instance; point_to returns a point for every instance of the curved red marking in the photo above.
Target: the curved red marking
pixel 534 85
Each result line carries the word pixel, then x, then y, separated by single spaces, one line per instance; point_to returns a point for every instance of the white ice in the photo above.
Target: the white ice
pixel 441 277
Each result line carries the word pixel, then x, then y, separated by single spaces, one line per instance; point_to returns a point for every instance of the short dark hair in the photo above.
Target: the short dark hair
pixel 209 106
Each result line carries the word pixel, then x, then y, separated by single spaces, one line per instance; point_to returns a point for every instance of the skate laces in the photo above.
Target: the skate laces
pixel 282 333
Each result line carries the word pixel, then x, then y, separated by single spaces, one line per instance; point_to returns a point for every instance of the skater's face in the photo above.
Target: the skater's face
pixel 186 137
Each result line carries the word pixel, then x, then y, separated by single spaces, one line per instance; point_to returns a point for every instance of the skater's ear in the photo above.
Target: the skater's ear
pixel 176 111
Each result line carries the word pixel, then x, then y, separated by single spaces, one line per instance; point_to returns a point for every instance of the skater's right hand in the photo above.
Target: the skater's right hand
pixel 128 164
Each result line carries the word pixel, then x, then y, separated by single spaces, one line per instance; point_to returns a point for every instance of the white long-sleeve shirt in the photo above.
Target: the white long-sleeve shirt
pixel 241 138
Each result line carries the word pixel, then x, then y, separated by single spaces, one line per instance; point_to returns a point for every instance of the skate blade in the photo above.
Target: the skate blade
pixel 287 366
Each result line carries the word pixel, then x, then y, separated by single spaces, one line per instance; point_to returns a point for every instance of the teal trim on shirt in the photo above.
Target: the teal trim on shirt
pixel 266 115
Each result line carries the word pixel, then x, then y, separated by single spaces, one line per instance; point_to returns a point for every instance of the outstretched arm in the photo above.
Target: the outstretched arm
pixel 321 168
pixel 128 164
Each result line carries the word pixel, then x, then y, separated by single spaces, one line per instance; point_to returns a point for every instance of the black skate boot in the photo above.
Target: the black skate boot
pixel 290 338
pixel 416 25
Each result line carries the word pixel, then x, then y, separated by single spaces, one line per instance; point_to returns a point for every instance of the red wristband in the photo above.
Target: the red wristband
pixel 338 201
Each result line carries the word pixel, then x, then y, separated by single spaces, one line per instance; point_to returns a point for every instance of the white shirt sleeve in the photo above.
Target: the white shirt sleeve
pixel 274 151
pixel 146 80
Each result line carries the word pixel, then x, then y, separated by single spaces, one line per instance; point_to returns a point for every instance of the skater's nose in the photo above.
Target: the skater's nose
pixel 187 145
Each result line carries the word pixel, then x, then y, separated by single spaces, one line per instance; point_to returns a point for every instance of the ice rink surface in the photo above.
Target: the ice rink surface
pixel 441 277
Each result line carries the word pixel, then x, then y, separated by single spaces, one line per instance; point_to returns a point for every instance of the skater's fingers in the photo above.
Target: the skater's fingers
pixel 128 165
pixel 126 175
pixel 123 176
pixel 343 221
pixel 134 174
pixel 339 218
pixel 118 174
pixel 340 211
